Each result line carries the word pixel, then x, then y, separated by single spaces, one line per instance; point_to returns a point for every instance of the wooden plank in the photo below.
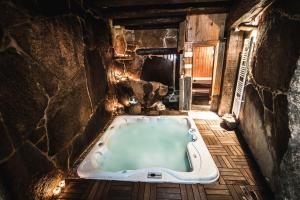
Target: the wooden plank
pixel 95 189
pixel 141 191
pixel 168 185
pixel 233 178
pixel 215 187
pixel 147 191
pixel 135 189
pixel 118 3
pixel 183 192
pixel 195 192
pixel 168 190
pixel 221 180
pixel 152 191
pixel 106 190
pixel 162 195
pixel 233 192
pixel 205 27
pixel 202 192
pixel 216 161
pixel 189 192
pixel 217 192
pixel 203 59
pixel 219 197
pixel 223 164
pixel 187 93
pixel 120 191
pixel 161 12
pixel 249 179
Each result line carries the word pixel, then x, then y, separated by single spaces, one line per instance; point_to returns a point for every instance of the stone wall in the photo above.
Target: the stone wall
pixel 290 165
pixel 128 41
pixel 264 115
pixel 53 60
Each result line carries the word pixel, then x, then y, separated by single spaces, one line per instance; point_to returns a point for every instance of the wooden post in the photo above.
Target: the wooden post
pixel 185 93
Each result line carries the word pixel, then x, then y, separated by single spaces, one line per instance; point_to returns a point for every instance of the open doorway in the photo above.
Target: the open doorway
pixel 203 62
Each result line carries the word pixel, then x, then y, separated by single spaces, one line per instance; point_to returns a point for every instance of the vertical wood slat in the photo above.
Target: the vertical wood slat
pixel 135 189
pixel 183 192
pixel 106 190
pixel 153 191
pixel 147 191
pixel 141 191
pixel 203 59
pixel 189 192
pixel 187 93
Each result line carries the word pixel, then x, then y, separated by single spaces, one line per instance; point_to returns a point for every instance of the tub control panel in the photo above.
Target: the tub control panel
pixel 154 175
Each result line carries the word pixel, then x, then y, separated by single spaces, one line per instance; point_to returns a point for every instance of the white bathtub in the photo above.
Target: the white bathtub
pixel 203 169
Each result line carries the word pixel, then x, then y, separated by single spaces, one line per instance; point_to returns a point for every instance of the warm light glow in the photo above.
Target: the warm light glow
pixel 254 34
pixel 121 76
pixel 188 54
pixel 205 115
pixel 62 184
pixel 188 66
pixel 57 190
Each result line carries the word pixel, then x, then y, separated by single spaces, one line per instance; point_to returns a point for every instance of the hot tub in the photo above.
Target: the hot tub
pixel 150 149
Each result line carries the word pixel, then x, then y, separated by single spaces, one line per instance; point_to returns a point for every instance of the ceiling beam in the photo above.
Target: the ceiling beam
pixel 149 23
pixel 130 3
pixel 161 12
pixel 174 8
pixel 152 26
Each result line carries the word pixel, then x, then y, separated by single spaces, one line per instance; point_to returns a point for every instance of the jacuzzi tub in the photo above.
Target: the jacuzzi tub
pixel 150 149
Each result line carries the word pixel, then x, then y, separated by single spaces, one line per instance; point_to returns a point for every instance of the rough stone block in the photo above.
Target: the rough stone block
pixel 23 169
pixel 275 57
pixel 68 113
pixel 254 132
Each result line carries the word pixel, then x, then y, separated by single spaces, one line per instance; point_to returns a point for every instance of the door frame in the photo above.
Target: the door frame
pixel 207 44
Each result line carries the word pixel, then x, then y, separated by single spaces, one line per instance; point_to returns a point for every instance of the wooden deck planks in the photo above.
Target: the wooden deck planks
pixel 239 177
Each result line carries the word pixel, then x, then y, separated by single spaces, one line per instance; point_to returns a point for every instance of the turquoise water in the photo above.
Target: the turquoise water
pixel 144 144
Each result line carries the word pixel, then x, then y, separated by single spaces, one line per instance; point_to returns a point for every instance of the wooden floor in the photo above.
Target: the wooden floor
pixel 239 177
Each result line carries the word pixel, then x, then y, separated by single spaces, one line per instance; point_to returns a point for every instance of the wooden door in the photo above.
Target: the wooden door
pixel 203 61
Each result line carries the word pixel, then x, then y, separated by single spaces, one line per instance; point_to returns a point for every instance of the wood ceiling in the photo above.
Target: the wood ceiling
pixel 151 14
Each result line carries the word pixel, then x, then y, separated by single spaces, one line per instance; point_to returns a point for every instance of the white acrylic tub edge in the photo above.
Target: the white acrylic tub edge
pixel 203 171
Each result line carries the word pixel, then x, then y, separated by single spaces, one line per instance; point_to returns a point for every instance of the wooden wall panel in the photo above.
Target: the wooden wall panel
pixel 234 48
pixel 203 61
pixel 202 28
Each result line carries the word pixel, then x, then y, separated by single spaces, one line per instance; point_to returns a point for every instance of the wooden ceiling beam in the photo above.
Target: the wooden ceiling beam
pixel 161 12
pixel 174 8
pixel 130 3
pixel 149 23
pixel 152 26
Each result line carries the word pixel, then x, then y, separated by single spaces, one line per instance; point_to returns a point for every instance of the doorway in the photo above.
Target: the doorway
pixel 203 62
